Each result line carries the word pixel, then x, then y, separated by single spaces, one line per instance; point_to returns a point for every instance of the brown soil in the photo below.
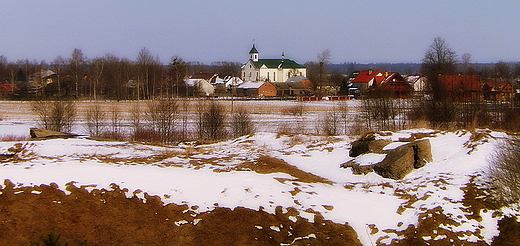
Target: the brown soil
pixel 267 164
pixel 108 217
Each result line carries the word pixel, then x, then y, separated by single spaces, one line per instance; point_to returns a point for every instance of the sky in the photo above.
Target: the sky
pixel 361 31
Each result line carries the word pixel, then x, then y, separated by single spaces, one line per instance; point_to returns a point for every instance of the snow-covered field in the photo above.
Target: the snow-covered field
pixel 205 176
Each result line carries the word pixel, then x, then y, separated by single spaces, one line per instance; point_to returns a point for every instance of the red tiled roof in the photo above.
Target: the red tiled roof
pixel 499 86
pixel 369 75
pixel 460 82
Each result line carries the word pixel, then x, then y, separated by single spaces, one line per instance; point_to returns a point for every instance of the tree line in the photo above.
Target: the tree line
pixel 107 77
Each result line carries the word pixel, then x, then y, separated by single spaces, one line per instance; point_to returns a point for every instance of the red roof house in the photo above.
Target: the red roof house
pixel 366 79
pixel 382 84
pixel 495 90
pixel 460 87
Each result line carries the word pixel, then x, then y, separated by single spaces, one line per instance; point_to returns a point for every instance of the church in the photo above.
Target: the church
pixel 272 70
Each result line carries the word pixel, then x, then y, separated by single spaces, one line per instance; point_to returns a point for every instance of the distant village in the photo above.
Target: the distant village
pixel 258 78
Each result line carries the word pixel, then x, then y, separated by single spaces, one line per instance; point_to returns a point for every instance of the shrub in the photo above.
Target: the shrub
pixel 329 124
pixel 241 123
pixel 504 170
pixel 162 115
pixel 55 115
pixel 148 135
pixel 211 121
pixel 95 120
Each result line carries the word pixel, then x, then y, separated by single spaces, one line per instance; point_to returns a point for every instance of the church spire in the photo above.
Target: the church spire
pixel 253 54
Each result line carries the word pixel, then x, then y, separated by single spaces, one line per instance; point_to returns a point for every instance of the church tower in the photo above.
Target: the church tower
pixel 253 54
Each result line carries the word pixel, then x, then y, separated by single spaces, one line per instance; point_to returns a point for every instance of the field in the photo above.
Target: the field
pixel 268 188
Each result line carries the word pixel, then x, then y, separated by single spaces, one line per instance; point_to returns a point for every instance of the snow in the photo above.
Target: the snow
pixel 203 176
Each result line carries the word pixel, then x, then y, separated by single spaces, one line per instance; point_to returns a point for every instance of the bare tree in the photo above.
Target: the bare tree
pixel 465 63
pixel 323 61
pixel 438 59
pixel 97 67
pixel 502 71
pixel 148 74
pixel 59 65
pixel 77 70
pixel 177 72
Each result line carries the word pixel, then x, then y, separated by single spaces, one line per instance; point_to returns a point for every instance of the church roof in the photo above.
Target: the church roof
pixel 277 63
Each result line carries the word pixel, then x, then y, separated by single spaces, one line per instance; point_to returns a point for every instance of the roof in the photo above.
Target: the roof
pixel 460 82
pixel 193 82
pixel 290 85
pixel 277 63
pixel 499 86
pixel 251 85
pixel 296 79
pixel 369 75
pixel 253 50
pixel 8 88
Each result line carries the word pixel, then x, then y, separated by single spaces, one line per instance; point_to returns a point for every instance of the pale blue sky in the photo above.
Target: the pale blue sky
pixel 363 31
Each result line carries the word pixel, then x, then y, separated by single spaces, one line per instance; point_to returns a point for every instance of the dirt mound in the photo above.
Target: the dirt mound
pixel 107 217
pixel 267 164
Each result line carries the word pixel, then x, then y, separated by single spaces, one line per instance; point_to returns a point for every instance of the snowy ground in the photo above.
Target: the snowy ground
pixel 204 176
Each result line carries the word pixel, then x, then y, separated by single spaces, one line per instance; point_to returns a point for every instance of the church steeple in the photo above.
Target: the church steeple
pixel 253 54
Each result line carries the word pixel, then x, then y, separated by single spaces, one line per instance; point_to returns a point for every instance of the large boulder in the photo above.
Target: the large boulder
pixel 398 162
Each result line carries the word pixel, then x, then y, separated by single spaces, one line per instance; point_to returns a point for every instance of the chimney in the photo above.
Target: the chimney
pixel 370 71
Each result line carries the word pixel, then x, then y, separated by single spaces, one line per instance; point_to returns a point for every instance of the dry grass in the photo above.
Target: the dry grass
pixel 12 138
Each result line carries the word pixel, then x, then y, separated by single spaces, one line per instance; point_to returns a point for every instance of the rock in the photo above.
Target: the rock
pixel 402 160
pixel 397 163
pixel 358 169
pixel 423 152
pixel 366 144
pixel 43 133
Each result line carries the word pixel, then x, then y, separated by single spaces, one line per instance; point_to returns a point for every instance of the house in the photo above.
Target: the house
pixel 382 84
pixel 210 77
pixel 272 70
pixel 294 86
pixel 256 89
pixel 393 86
pixel 459 87
pixel 224 86
pixel 419 83
pixel 497 90
pixel 366 79
pixel 199 87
